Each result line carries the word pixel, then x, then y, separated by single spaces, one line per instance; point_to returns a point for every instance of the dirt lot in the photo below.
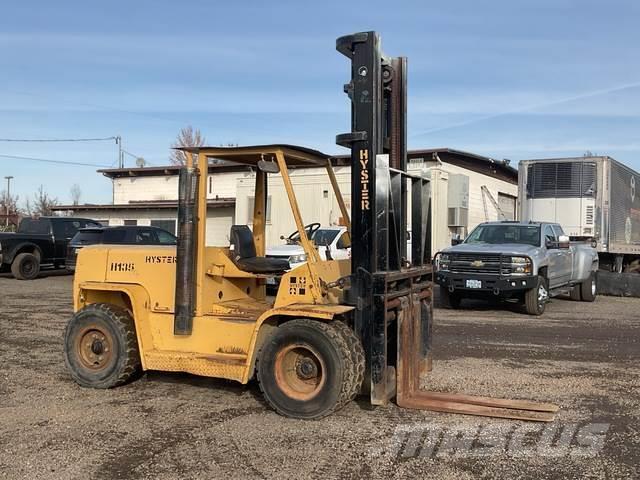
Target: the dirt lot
pixel 582 356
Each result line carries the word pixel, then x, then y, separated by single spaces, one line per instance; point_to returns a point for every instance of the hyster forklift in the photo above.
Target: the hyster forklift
pixel 336 328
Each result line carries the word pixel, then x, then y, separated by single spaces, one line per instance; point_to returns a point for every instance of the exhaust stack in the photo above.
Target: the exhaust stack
pixel 186 251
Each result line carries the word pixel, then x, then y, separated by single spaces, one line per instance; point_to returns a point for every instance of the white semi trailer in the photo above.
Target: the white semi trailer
pixel 594 198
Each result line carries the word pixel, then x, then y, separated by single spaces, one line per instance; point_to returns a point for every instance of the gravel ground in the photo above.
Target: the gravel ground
pixel 583 357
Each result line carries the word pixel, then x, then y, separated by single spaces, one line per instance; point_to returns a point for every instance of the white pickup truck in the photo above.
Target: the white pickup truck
pixel 335 239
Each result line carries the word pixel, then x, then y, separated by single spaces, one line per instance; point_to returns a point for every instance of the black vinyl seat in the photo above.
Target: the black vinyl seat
pixel 244 253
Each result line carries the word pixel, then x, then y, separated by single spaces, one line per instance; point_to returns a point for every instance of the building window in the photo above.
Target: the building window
pixel 167 224
pixel 132 223
pixel 250 205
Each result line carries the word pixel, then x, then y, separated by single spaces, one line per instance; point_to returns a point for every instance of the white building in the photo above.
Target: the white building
pixel 148 195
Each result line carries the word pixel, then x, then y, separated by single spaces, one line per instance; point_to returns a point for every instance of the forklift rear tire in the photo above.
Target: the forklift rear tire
pixel 26 266
pixel 589 288
pixel 449 299
pixel 306 369
pixel 100 346
pixel 535 299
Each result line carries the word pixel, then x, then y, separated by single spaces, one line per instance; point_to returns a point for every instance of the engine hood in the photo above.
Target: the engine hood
pixel 504 249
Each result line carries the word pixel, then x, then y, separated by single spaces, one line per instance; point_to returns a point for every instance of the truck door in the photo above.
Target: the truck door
pixel 565 259
pixel 63 232
pixel 556 257
pixel 552 253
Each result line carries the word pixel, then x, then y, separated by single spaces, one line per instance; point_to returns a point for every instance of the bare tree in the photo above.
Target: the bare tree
pixel 42 204
pixel 12 211
pixel 188 137
pixel 76 193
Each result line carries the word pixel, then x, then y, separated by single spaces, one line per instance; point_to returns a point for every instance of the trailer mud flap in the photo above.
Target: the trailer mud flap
pixel 414 315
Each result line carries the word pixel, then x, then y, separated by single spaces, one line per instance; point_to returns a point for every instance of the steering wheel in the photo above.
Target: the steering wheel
pixel 309 229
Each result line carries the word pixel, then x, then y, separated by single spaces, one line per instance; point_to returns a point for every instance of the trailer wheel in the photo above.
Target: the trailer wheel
pixel 305 370
pixel 535 299
pixel 449 299
pixel 100 346
pixel 26 266
pixel 589 288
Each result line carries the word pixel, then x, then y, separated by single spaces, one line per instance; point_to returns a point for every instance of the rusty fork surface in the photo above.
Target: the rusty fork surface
pixel 414 360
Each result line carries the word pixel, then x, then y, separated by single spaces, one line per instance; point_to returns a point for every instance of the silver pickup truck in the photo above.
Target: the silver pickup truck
pixel 527 261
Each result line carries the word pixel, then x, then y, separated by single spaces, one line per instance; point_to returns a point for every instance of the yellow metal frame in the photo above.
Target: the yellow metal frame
pixel 232 315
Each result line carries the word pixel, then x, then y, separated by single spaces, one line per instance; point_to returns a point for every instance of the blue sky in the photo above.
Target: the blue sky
pixel 506 79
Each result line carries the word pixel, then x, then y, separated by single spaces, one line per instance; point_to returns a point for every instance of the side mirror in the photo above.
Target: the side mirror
pixel 456 241
pixel 563 241
pixel 282 237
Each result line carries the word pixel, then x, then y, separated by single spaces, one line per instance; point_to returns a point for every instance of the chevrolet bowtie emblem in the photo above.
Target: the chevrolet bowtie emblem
pixel 477 263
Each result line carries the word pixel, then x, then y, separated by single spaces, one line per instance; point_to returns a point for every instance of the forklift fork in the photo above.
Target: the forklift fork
pixel 414 362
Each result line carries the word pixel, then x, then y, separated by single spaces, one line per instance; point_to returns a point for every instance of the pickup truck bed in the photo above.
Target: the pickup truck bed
pixel 38 241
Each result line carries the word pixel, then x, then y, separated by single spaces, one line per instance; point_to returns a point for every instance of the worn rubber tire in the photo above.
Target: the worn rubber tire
pixel 449 300
pixel 118 326
pixel 532 305
pixel 589 288
pixel 357 357
pixel 575 294
pixel 339 372
pixel 26 266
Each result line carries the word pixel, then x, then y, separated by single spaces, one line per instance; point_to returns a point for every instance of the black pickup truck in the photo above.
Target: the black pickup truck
pixel 38 241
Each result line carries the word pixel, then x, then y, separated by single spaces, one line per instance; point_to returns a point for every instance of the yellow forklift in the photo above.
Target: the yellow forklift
pixel 335 329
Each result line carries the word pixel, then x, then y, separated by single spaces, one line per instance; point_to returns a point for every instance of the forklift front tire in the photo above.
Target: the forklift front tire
pixel 306 370
pixel 100 346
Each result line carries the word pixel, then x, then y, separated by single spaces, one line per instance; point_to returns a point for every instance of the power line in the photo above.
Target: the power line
pixel 46 160
pixel 57 139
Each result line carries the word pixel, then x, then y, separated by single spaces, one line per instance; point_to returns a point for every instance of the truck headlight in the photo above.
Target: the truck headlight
pixel 298 258
pixel 443 263
pixel 521 265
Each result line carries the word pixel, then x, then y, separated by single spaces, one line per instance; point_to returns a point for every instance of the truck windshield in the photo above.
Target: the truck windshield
pixel 324 237
pixel 499 234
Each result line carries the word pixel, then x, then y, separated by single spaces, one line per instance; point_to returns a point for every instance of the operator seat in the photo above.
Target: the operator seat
pixel 243 253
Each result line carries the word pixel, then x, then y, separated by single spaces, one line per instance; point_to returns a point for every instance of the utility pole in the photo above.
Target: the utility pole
pixel 120 154
pixel 8 199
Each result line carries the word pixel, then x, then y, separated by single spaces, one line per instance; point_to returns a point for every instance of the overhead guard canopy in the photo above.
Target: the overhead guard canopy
pixel 295 156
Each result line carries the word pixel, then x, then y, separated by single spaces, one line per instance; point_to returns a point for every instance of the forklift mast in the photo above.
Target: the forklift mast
pixel 393 296
pixel 385 286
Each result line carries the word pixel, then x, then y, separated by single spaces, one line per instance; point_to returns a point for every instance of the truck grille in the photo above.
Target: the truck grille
pixel 478 263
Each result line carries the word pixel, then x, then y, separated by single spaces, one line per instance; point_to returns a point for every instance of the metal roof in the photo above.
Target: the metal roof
pixel 485 165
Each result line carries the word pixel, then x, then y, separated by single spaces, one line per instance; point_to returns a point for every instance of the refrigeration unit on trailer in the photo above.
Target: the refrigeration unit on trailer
pixel 592 198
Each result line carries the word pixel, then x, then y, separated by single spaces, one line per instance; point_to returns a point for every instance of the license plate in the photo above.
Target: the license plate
pixel 474 284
